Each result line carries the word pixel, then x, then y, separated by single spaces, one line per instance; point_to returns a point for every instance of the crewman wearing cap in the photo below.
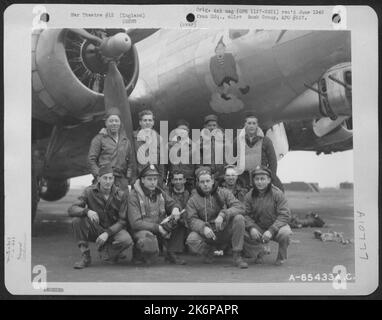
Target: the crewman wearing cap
pixel 176 162
pixel 100 216
pixel 267 213
pixel 111 146
pixel 148 207
pixel 216 220
pixel 258 150
pixel 212 147
pixel 231 183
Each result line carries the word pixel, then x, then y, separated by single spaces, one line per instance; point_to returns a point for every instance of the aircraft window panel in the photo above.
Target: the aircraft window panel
pixel 234 34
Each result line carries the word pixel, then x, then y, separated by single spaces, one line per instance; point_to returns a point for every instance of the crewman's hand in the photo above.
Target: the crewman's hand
pixel 101 240
pixel 209 234
pixel 93 216
pixel 163 232
pixel 255 234
pixel 176 214
pixel 219 223
pixel 267 236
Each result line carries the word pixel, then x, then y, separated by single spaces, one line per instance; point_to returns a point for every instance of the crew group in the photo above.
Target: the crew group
pixel 204 209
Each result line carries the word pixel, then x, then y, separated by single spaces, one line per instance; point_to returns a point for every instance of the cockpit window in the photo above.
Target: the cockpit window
pixel 234 34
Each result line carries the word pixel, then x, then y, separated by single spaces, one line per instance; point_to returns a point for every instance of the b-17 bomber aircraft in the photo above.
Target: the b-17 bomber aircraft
pixel 298 83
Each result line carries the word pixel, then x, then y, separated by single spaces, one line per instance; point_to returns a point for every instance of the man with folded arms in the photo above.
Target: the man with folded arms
pixel 215 218
pixel 100 216
pixel 111 146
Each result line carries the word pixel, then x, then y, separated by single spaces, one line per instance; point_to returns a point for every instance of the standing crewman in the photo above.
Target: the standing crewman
pixel 259 150
pixel 148 144
pixel 212 145
pixel 267 213
pixel 111 146
pixel 100 216
pixel 148 207
pixel 215 218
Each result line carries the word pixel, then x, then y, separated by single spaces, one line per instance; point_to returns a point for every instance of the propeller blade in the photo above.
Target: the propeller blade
pixel 115 96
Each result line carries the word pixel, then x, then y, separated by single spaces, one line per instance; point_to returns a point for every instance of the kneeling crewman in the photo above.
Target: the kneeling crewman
pixel 100 217
pixel 148 207
pixel 267 213
pixel 215 217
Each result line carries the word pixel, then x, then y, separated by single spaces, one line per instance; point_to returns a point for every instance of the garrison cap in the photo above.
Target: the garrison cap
pixel 112 112
pixel 105 169
pixel 182 122
pixel 149 170
pixel 210 117
pixel 261 170
pixel 202 170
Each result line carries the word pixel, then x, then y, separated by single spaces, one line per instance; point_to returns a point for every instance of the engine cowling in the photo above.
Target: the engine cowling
pixel 53 189
pixel 336 91
pixel 330 97
pixel 68 74
pixel 341 132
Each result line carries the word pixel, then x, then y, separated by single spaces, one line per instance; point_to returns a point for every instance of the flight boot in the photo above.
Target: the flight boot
pixel 173 258
pixel 85 258
pixel 208 255
pixel 238 260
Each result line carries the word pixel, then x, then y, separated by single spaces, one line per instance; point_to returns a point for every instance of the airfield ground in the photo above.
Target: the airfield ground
pixel 53 246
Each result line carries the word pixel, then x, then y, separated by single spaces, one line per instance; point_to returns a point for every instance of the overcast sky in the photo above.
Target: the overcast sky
pixel 327 170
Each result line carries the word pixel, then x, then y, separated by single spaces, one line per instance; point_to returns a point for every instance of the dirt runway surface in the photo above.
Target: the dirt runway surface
pixel 53 246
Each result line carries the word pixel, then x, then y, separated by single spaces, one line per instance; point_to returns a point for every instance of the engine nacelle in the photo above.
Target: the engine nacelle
pixel 336 91
pixel 323 126
pixel 68 74
pixel 330 97
pixel 53 189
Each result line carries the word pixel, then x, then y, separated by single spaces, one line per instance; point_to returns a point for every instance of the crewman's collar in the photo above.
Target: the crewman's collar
pixel 97 187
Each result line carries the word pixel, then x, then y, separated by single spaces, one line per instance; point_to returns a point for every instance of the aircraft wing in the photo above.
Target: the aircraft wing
pixel 66 150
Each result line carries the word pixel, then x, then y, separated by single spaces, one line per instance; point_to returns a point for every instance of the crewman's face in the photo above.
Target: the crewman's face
pixel 106 181
pixel 113 123
pixel 230 177
pixel 206 183
pixel 261 181
pixel 251 125
pixel 178 181
pixel 220 50
pixel 147 122
pixel 211 125
pixel 150 182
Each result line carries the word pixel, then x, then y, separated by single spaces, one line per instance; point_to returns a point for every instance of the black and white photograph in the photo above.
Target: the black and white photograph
pixel 192 156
